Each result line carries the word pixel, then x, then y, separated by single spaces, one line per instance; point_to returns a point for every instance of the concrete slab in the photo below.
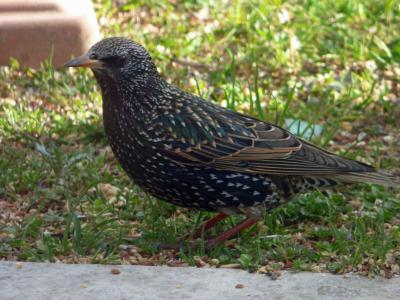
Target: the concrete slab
pixel 35 30
pixel 60 281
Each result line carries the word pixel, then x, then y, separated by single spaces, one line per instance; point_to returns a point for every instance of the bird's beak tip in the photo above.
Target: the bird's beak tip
pixel 83 61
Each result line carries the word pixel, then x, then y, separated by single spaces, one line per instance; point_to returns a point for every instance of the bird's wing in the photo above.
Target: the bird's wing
pixel 203 134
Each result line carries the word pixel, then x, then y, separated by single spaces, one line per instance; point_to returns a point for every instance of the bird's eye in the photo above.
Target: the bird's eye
pixel 93 56
pixel 114 60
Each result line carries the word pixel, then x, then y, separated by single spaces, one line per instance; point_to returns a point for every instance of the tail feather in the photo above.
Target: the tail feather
pixel 377 177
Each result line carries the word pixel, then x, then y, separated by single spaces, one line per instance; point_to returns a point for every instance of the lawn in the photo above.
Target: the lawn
pixel 327 70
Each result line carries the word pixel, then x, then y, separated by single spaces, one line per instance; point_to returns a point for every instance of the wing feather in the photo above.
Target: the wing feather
pixel 205 134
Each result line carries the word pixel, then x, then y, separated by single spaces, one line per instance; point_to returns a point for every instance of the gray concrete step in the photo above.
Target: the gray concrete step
pixel 33 30
pixel 60 281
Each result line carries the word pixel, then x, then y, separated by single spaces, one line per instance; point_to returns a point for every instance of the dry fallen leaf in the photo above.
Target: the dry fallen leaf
pixel 231 266
pixel 108 190
pixel 115 271
pixel 19 265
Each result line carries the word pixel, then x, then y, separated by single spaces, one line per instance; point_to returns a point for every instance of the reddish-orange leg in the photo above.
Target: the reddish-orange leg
pixel 219 239
pixel 230 233
pixel 199 231
pixel 209 224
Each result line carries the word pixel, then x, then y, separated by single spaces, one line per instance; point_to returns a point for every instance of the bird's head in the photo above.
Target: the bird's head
pixel 117 58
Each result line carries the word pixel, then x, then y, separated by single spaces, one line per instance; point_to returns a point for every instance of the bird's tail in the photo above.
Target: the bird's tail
pixel 377 177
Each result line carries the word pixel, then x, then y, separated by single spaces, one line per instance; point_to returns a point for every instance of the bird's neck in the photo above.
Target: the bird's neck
pixel 138 96
pixel 130 103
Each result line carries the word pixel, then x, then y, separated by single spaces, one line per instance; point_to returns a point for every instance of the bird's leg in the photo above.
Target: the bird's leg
pixel 231 232
pixel 203 227
pixel 209 224
pixel 217 240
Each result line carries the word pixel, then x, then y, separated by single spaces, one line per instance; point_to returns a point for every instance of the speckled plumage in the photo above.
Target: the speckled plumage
pixel 193 153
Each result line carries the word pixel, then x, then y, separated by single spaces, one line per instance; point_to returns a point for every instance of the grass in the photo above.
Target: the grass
pixel 330 66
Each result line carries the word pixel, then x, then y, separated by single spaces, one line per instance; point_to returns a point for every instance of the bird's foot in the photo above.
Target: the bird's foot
pixel 172 246
pixel 181 245
pixel 213 241
pixel 230 233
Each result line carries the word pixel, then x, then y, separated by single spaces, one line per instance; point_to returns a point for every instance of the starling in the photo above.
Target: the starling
pixel 190 152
